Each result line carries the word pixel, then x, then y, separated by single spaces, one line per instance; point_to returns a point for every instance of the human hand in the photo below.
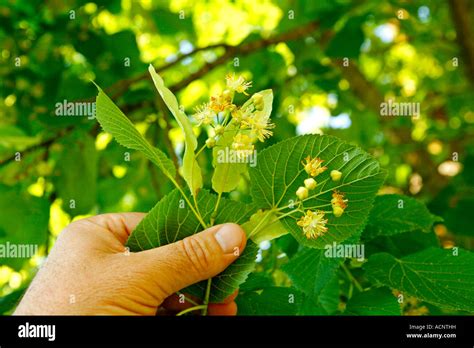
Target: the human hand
pixel 89 271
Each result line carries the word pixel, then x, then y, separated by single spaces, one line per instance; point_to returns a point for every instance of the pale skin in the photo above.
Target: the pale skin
pixel 89 271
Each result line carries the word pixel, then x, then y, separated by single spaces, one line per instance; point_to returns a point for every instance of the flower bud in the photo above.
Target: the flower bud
pixel 257 100
pixel 337 211
pixel 211 142
pixel 227 94
pixel 302 193
pixel 335 175
pixel 219 129
pixel 310 184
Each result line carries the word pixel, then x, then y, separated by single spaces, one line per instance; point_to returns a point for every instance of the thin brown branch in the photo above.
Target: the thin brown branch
pixel 230 51
pixel 246 49
pixel 463 24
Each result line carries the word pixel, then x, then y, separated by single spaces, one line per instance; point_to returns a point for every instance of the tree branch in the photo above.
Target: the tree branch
pixel 460 14
pixel 230 51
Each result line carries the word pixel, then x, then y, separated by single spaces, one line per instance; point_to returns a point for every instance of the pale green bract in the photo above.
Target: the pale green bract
pixel 264 225
pixel 191 170
pixel 227 175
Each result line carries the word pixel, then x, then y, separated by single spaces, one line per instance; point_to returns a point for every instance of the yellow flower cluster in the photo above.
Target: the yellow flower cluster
pixel 250 119
pixel 313 223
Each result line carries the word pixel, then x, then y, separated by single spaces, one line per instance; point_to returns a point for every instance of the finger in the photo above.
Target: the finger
pixel 177 302
pixel 201 256
pixel 222 309
pixel 230 298
pixel 120 225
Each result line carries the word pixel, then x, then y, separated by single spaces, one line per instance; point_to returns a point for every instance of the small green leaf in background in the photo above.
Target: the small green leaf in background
pixel 191 170
pixel 402 244
pixel 270 301
pixel 393 214
pixel 23 223
pixel 113 121
pixel 310 270
pixel 378 301
pixel 172 220
pixel 280 173
pixel 75 175
pixel 433 275
pixel 347 41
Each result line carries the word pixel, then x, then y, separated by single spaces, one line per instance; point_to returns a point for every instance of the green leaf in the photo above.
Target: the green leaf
pixel 23 221
pixel 394 214
pixel 433 275
pixel 347 41
pixel 310 306
pixel 263 225
pixel 172 220
pixel 191 170
pixel 402 244
pixel 310 271
pixel 329 296
pixel 257 281
pixel 378 301
pixel 76 169
pixel 116 123
pixel 279 174
pixel 270 301
pixel 12 137
pixel 10 301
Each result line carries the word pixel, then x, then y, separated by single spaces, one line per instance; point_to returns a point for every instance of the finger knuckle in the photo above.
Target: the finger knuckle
pixel 198 254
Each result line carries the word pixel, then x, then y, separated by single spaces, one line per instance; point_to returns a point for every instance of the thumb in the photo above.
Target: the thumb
pixel 195 258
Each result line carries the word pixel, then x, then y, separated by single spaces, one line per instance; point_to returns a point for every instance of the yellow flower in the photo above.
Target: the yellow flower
pixel 313 224
pixel 240 115
pixel 238 84
pixel 313 166
pixel 220 103
pixel 260 125
pixel 338 200
pixel 242 145
pixel 339 204
pixel 204 114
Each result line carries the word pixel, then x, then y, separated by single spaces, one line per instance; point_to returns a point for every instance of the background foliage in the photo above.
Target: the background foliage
pixel 416 51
